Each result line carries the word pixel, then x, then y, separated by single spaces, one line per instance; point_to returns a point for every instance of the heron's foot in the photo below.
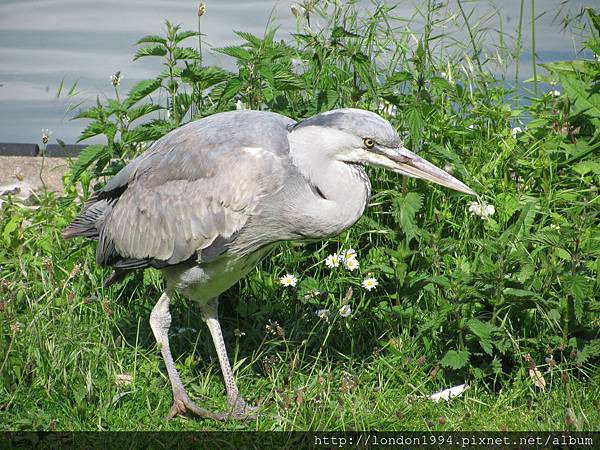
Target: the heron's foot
pixel 240 410
pixel 182 404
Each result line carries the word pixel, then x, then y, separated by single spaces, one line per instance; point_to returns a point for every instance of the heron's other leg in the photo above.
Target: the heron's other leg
pixel 160 322
pixel 240 409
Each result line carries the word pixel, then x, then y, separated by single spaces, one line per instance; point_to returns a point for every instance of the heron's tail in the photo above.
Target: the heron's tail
pixel 89 222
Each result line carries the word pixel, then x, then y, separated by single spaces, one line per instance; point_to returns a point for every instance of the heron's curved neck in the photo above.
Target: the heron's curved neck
pixel 344 188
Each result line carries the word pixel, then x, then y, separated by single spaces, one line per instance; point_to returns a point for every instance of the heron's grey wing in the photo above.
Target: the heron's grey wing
pixel 195 189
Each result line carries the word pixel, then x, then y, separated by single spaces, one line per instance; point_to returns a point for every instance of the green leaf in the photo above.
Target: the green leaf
pixel 9 228
pixel 587 166
pixel 483 331
pixel 416 123
pixel 577 285
pixel 455 359
pixel 87 156
pixel 521 293
pixel 591 350
pixel 150 50
pixel 239 53
pixel 184 35
pixel 231 89
pixel 362 64
pixel 143 110
pixel 91 113
pixel 255 41
pixel 186 53
pixel 93 129
pixel 405 208
pixel 284 81
pixel 398 77
pixel 339 32
pixel 141 90
pixel 152 38
pixel 205 76
pixel 595 19
pixel 149 131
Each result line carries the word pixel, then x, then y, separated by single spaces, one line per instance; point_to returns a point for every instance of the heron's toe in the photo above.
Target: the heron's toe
pixel 243 411
pixel 183 404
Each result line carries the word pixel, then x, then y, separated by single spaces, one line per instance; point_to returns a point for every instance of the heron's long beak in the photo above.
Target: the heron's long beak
pixel 407 163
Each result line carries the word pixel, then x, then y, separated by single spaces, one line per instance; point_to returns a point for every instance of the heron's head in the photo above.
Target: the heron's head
pixel 356 136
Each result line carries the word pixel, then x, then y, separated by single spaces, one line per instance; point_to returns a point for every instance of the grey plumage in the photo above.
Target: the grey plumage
pixel 207 201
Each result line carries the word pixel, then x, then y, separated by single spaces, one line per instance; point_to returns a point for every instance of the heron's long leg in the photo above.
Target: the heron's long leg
pixel 160 321
pixel 234 399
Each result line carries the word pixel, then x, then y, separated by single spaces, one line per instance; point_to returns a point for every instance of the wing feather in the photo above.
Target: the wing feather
pixel 196 188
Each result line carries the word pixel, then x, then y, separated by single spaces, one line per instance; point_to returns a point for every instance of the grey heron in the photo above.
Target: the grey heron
pixel 207 201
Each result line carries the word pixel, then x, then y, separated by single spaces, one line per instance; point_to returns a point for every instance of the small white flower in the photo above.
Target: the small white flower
pixel 238 333
pixel 296 10
pixel 554 93
pixel 324 314
pixel 449 168
pixel 46 133
pixel 555 226
pixel 345 311
pixel 332 261
pixel 116 79
pixel 288 280
pixel 348 254
pixel 515 131
pixel 240 106
pixel 351 264
pixel 370 283
pixel 483 210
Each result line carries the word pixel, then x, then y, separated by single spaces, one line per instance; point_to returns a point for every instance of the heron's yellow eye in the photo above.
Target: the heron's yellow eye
pixel 369 143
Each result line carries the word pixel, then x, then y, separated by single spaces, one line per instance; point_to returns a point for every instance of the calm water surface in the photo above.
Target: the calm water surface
pixel 45 41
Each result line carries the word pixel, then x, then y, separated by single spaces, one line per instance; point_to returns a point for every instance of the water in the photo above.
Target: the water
pixel 43 42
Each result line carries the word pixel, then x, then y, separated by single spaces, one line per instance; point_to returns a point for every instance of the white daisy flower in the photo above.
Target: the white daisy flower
pixel 370 283
pixel 348 254
pixel 332 261
pixel 345 311
pixel 288 280
pixel 554 93
pixel 351 264
pixel 323 314
pixel 483 210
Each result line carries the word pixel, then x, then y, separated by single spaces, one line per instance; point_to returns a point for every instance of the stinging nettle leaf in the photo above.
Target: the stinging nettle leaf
pixel 455 359
pixel 236 52
pixel 186 53
pixel 152 38
pixel 185 35
pixel 150 50
pixel 87 156
pixel 141 90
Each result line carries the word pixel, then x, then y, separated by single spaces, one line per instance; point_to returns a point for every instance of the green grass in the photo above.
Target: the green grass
pixel 487 301
pixel 68 357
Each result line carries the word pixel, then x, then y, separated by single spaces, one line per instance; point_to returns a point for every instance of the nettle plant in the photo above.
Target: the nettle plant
pixel 180 92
